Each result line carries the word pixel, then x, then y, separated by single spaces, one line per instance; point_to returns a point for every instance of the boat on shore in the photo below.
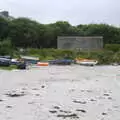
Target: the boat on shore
pixel 42 64
pixel 86 62
pixel 60 62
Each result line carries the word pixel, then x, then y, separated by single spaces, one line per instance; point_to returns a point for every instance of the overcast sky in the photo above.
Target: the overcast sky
pixel 74 11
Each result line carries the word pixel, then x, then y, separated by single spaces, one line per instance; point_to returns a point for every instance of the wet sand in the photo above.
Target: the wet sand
pixel 61 93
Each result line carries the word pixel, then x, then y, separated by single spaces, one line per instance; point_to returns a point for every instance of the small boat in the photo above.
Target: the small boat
pixel 30 60
pixel 60 62
pixel 86 62
pixel 42 64
pixel 5 62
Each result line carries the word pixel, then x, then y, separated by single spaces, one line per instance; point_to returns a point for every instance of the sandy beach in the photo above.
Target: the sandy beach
pixel 60 93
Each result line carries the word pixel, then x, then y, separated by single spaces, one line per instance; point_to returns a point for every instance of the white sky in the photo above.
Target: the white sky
pixel 74 11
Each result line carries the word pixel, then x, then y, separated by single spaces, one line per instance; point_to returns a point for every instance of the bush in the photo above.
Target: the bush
pixel 112 47
pixel 12 67
pixel 103 56
pixel 116 57
pixel 51 53
pixel 6 47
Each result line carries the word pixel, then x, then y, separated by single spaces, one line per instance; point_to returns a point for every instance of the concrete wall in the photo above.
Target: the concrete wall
pixel 88 43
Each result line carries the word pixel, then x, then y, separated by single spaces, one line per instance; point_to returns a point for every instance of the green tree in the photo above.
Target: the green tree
pixel 6 47
pixel 26 33
pixel 4 28
pixel 110 34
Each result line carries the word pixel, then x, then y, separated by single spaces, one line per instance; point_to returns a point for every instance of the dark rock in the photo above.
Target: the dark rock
pixel 15 94
pixel 81 102
pixel 81 110
pixel 115 106
pixel 8 106
pixel 35 89
pixel 42 86
pixel 73 90
pixel 106 94
pixel 82 90
pixel 104 113
pixel 1 100
pixel 89 91
pixel 56 107
pixel 92 100
pixel 30 102
pixel 68 116
pixel 65 111
pixel 37 94
pixel 110 98
pixel 53 111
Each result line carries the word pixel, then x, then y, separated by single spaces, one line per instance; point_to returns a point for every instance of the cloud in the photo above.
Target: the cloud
pixel 74 11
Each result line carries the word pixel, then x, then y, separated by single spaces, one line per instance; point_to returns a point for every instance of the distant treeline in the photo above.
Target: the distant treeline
pixel 26 33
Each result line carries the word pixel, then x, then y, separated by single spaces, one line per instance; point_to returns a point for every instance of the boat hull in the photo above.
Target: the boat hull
pixel 60 62
pixel 87 63
pixel 42 64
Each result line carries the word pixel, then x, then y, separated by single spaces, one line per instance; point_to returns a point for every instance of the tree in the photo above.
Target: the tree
pixel 5 47
pixel 4 28
pixel 110 34
pixel 26 33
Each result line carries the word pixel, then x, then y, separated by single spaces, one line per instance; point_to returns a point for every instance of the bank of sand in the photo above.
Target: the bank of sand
pixel 61 92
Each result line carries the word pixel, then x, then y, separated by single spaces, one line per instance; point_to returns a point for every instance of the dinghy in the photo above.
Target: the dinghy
pixel 42 64
pixel 86 62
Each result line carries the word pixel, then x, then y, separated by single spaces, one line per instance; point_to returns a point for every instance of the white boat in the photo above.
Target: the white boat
pixel 87 62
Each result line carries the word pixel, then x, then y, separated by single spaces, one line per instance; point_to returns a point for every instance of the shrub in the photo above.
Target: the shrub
pixel 6 47
pixel 103 56
pixel 112 47
pixel 116 57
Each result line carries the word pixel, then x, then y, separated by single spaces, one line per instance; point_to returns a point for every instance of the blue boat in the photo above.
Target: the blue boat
pixel 61 62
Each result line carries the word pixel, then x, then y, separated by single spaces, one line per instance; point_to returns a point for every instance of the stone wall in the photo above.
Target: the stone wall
pixel 88 43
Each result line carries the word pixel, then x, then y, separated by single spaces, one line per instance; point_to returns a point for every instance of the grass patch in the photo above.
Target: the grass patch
pixel 11 67
pixel 104 56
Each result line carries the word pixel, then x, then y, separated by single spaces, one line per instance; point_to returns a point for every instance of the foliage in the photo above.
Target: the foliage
pixel 112 47
pixel 5 47
pixel 4 28
pixel 41 39
pixel 50 53
pixel 12 67
pixel 103 56
pixel 26 33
